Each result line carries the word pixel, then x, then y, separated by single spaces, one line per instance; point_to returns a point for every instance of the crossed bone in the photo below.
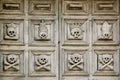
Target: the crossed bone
pixel 76 64
pixel 45 66
pixel 106 64
pixel 9 65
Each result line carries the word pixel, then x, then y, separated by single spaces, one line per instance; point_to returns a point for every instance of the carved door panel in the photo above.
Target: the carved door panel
pixel 28 40
pixel 59 39
pixel 89 40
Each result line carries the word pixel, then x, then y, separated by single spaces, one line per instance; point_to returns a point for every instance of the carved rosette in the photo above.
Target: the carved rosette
pixel 75 62
pixel 105 62
pixel 11 62
pixel 42 63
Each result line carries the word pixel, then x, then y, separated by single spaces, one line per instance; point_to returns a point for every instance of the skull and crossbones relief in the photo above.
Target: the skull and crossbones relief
pixel 11 61
pixel 75 62
pixel 106 62
pixel 42 63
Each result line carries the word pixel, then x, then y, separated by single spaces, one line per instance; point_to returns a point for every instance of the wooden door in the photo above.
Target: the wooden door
pixel 59 39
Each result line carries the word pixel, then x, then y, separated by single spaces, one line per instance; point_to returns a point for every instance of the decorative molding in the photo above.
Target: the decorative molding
pixel 79 7
pixel 11 7
pixel 42 7
pixel 105 7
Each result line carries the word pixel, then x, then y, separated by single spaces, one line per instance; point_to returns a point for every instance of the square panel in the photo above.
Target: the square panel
pixel 42 32
pixel 105 31
pixel 11 63
pixel 75 7
pixel 11 32
pixel 105 6
pixel 41 63
pixel 106 61
pixel 11 6
pixel 41 7
pixel 75 32
pixel 75 62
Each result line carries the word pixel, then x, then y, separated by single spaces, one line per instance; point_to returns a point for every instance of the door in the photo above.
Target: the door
pixel 59 40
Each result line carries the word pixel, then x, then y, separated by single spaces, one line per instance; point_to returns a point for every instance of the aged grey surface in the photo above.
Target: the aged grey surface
pixel 59 40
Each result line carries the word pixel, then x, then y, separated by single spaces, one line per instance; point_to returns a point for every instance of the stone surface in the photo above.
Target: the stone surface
pixel 59 39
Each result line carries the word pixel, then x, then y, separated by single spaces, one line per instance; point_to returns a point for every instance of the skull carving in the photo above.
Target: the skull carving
pixel 43 31
pixel 43 59
pixel 76 32
pixel 11 30
pixel 106 58
pixel 12 58
pixel 43 35
pixel 76 58
pixel 106 31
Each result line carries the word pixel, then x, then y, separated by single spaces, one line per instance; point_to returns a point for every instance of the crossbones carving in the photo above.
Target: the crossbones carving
pixel 76 61
pixel 106 61
pixel 11 61
pixel 42 63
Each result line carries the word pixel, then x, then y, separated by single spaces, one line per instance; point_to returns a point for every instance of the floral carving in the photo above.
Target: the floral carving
pixel 11 62
pixel 106 62
pixel 42 63
pixel 75 30
pixel 75 62
pixel 105 31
